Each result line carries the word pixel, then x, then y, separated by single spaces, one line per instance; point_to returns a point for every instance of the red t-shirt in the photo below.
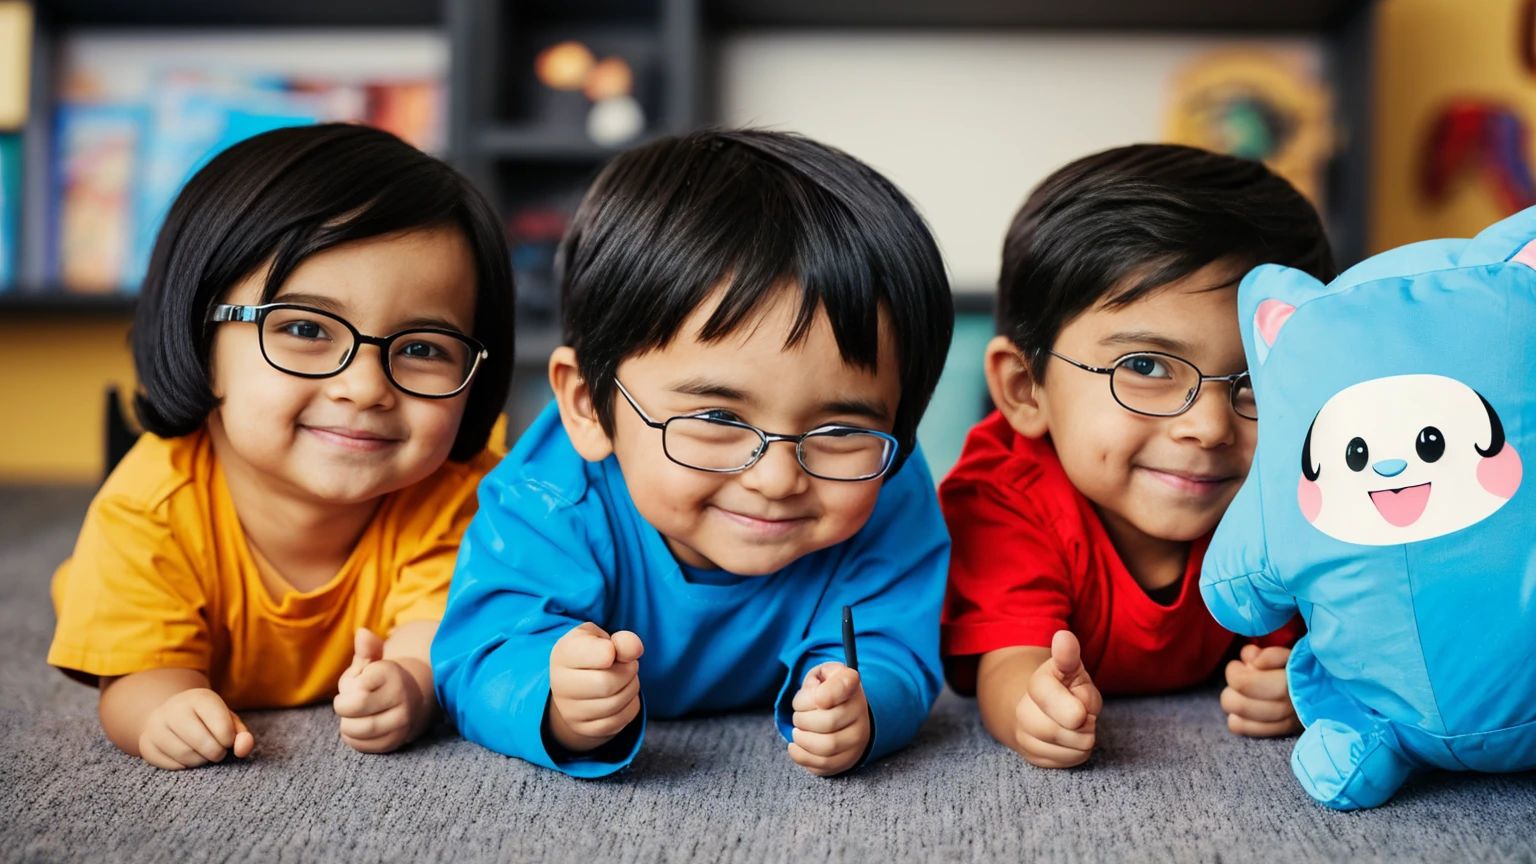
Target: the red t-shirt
pixel 1031 557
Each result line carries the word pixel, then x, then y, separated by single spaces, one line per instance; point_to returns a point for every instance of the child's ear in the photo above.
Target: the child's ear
pixel 577 413
pixel 1013 388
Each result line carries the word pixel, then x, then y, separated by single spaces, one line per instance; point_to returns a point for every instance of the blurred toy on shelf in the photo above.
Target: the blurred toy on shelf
pixel 1264 105
pixel 1488 141
pixel 614 117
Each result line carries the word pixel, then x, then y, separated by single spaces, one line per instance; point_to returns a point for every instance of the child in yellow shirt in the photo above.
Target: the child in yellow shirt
pixel 302 486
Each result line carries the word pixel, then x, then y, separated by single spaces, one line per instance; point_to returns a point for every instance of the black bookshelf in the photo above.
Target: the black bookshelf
pixel 522 146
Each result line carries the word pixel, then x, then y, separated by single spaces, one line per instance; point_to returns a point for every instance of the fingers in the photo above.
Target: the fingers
pixel 1249 652
pixel 822 766
pixel 1045 755
pixel 1054 699
pixel 604 726
pixel 1260 710
pixel 829 745
pixel 1034 723
pixel 627 647
pixel 1066 653
pixel 391 723
pixel 367 646
pixel 839 685
pixel 582 710
pixel 245 742
pixel 1257 729
pixel 587 646
pixel 1273 657
pixel 592 683
pixel 1267 684
pixel 217 720
pixel 193 732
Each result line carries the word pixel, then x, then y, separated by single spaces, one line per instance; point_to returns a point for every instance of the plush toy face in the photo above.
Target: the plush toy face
pixel 1405 458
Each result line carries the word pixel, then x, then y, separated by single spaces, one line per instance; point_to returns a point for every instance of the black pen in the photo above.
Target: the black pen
pixel 850 648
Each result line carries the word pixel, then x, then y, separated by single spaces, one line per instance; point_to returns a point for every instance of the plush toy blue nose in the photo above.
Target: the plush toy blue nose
pixel 1389 467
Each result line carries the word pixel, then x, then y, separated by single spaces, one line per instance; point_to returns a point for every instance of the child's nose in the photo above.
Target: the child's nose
pixel 777 474
pixel 1390 467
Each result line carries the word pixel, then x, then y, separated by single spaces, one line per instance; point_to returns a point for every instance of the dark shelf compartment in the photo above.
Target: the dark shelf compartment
pixel 1296 15
pixel 223 13
pixel 542 145
pixel 15 303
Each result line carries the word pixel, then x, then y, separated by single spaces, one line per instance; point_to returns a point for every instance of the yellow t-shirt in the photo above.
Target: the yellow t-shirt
pixel 162 576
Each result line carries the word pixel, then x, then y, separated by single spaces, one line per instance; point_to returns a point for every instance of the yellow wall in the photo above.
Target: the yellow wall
pixel 53 374
pixel 1429 53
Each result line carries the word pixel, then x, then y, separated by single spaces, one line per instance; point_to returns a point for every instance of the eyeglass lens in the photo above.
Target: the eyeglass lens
pixel 1164 385
pixel 714 446
pixel 308 342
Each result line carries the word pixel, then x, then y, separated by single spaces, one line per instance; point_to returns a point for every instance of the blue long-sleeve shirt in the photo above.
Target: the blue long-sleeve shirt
pixel 558 542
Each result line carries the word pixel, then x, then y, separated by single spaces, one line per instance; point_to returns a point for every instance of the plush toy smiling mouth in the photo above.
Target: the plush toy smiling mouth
pixel 1402 507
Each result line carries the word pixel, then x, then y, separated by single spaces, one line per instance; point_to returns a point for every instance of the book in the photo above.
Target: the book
pixel 108 218
pixel 93 191
pixel 10 209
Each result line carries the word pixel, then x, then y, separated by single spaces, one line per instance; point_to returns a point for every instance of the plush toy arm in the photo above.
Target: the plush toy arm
pixel 1242 592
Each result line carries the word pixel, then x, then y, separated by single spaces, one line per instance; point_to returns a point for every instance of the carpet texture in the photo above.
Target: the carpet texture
pixel 1168 783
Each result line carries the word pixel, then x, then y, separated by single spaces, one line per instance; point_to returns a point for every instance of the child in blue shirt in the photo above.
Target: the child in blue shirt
pixel 753 326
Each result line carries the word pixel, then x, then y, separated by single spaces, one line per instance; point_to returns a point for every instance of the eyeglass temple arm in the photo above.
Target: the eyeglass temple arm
pixel 226 312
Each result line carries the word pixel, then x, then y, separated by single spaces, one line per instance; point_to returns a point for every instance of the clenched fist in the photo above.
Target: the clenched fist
pixel 594 686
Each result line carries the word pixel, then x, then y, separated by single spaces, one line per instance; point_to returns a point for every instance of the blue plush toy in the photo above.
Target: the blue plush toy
pixel 1385 504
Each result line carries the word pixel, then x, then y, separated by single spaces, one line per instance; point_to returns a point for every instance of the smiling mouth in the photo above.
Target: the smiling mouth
pixel 758 525
pixel 351 439
pixel 1402 507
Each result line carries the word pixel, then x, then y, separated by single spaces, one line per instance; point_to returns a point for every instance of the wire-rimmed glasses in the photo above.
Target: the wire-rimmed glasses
pixel 1163 385
pixel 706 442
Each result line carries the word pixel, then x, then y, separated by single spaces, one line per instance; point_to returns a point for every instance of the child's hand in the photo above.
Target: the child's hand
pixel 380 703
pixel 192 728
pixel 831 721
pixel 1256 699
pixel 594 686
pixel 1058 717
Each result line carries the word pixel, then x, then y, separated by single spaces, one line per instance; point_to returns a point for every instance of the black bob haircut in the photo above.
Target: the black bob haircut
pixel 1116 225
pixel 281 197
pixel 666 224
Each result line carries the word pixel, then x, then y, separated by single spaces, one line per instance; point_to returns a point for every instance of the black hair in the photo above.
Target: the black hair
pixel 281 197
pixel 1116 225
pixel 664 225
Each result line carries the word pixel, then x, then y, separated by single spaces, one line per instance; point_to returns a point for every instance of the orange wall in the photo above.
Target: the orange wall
pixel 53 374
pixel 1428 53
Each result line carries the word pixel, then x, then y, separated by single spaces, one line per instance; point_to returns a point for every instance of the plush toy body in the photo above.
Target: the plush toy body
pixel 1385 503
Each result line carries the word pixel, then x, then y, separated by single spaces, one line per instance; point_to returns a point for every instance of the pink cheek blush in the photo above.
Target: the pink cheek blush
pixel 1500 474
pixel 1310 496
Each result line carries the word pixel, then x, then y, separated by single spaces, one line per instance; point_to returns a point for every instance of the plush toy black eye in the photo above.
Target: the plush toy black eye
pixel 1357 454
pixel 1431 444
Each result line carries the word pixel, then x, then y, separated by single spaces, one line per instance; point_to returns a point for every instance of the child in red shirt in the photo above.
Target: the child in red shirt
pixel 1080 510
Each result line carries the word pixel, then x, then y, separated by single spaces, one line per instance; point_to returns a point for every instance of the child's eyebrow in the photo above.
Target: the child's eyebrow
pixel 1146 337
pixel 319 301
pixel 705 387
pixel 857 407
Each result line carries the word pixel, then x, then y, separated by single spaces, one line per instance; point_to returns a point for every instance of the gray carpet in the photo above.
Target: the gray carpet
pixel 1168 784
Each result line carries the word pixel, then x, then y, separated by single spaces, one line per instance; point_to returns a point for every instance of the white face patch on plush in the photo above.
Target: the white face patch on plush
pixel 1403 459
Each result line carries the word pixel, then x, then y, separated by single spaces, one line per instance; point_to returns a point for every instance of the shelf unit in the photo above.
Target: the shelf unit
pixel 497 136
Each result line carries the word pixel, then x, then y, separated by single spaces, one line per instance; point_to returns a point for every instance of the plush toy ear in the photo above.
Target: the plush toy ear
pixel 1266 299
pixel 1506 240
pixel 1526 255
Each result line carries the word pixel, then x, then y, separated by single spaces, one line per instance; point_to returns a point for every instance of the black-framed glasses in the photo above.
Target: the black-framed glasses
pixel 425 361
pixel 709 443
pixel 1162 385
